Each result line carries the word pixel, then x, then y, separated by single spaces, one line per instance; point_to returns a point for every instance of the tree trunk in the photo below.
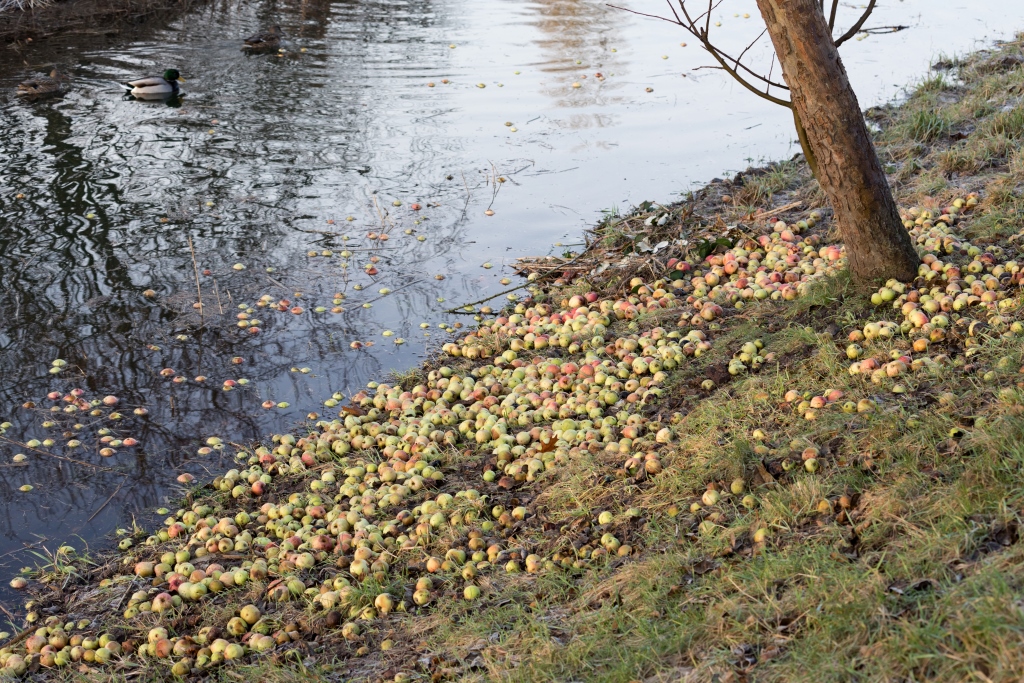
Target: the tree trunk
pixel 877 245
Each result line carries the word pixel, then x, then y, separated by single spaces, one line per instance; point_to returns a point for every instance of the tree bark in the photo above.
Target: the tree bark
pixel 877 245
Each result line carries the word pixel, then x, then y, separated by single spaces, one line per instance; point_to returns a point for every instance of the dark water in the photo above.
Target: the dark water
pixel 263 160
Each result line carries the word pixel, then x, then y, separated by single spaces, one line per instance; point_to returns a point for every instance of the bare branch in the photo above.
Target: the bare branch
pixel 651 16
pixel 763 95
pixel 856 27
pixel 715 52
pixel 723 59
pixel 702 14
pixel 674 13
pixel 702 36
pixel 874 30
pixel 832 14
pixel 752 43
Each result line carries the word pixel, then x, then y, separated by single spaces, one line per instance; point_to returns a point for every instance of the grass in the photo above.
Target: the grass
pixel 760 187
pixel 902 563
pixel 926 125
pixel 898 560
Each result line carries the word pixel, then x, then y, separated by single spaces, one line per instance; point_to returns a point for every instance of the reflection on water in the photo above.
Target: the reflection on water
pixel 258 162
pixel 576 40
pixel 261 162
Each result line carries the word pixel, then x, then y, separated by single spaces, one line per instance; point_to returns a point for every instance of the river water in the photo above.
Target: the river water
pixel 269 158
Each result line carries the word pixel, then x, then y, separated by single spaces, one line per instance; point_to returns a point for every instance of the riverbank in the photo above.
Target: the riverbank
pixel 694 453
pixel 86 17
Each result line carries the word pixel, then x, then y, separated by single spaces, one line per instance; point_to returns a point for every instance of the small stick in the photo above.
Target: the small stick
pixel 407 284
pixel 319 232
pixel 493 296
pixel 468 193
pixel 21 636
pixel 199 291
pixel 276 283
pixel 371 248
pixel 120 603
pixel 780 209
pixel 496 186
pixel 384 215
pixel 562 266
pixel 18 550
pixel 107 500
pixel 9 615
pixel 216 292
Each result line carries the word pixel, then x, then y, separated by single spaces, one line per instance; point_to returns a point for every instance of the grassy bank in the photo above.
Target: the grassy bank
pixel 695 452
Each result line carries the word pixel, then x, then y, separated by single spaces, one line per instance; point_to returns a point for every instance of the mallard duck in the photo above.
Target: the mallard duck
pixel 43 85
pixel 264 40
pixel 155 86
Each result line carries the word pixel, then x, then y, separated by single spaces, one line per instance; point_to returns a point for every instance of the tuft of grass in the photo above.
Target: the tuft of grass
pixel 926 125
pixel 758 188
pixel 1008 123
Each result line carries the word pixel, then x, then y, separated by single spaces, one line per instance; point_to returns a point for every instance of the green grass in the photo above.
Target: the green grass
pixel 926 125
pixel 1008 123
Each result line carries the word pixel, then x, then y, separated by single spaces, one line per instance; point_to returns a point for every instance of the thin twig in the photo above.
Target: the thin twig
pixel 885 29
pixel 468 193
pixel 21 636
pixel 328 233
pixel 496 186
pixel 703 36
pixel 486 299
pixel 407 284
pixel 856 27
pixel 778 210
pixel 385 216
pixel 220 306
pixel 199 291
pixel 747 48
pixel 107 500
pixel 277 283
pixel 18 550
pixel 9 615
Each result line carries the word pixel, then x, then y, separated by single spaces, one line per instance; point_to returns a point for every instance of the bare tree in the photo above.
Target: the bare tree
pixel 828 120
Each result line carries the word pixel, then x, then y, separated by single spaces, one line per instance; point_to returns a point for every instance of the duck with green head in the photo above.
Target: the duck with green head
pixel 155 86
